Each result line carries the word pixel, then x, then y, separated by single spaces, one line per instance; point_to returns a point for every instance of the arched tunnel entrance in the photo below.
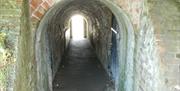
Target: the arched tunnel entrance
pixel 108 44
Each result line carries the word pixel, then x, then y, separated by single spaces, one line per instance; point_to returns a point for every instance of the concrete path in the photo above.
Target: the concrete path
pixel 80 70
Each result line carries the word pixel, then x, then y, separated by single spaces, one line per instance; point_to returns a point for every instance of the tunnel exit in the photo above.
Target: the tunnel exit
pixel 77 27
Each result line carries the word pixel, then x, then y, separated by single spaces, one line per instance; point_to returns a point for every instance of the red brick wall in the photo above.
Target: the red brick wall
pixel 38 8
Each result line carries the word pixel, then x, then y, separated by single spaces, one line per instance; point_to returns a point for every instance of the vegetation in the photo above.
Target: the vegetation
pixel 6 62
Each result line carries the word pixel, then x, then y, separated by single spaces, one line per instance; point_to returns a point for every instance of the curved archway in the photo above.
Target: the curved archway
pixel 45 50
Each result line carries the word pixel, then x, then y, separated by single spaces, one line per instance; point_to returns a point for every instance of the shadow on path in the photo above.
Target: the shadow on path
pixel 80 70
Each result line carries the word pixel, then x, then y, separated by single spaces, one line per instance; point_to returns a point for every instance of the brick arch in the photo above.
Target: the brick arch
pixel 38 9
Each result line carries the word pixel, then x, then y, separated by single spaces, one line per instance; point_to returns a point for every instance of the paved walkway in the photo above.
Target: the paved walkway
pixel 80 70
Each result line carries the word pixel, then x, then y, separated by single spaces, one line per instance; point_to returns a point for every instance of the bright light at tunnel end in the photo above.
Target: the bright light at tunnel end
pixel 77 27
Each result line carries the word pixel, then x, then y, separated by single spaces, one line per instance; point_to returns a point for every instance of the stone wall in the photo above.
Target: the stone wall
pixel 101 37
pixel 50 45
pixel 157 49
pixel 26 66
pixel 165 16
pixel 146 58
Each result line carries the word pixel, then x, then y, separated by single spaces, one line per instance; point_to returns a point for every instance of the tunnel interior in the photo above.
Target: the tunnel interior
pixel 101 28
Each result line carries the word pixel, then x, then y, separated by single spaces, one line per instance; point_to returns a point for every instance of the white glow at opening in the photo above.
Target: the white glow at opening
pixel 77 27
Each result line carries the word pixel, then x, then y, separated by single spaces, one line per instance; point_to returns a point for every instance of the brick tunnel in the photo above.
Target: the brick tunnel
pixel 89 45
pixel 103 45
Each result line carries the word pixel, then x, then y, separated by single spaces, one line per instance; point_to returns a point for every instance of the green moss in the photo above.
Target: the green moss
pixel 2 39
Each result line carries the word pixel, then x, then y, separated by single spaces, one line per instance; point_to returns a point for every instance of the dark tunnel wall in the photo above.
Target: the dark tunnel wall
pixel 114 63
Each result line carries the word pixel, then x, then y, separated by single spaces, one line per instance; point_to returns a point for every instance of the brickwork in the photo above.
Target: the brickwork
pixel 38 8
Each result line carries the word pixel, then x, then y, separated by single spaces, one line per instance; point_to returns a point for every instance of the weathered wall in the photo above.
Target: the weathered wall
pixel 26 66
pixel 50 46
pixel 125 50
pixel 101 36
pixel 157 48
pixel 165 16
pixel 146 59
